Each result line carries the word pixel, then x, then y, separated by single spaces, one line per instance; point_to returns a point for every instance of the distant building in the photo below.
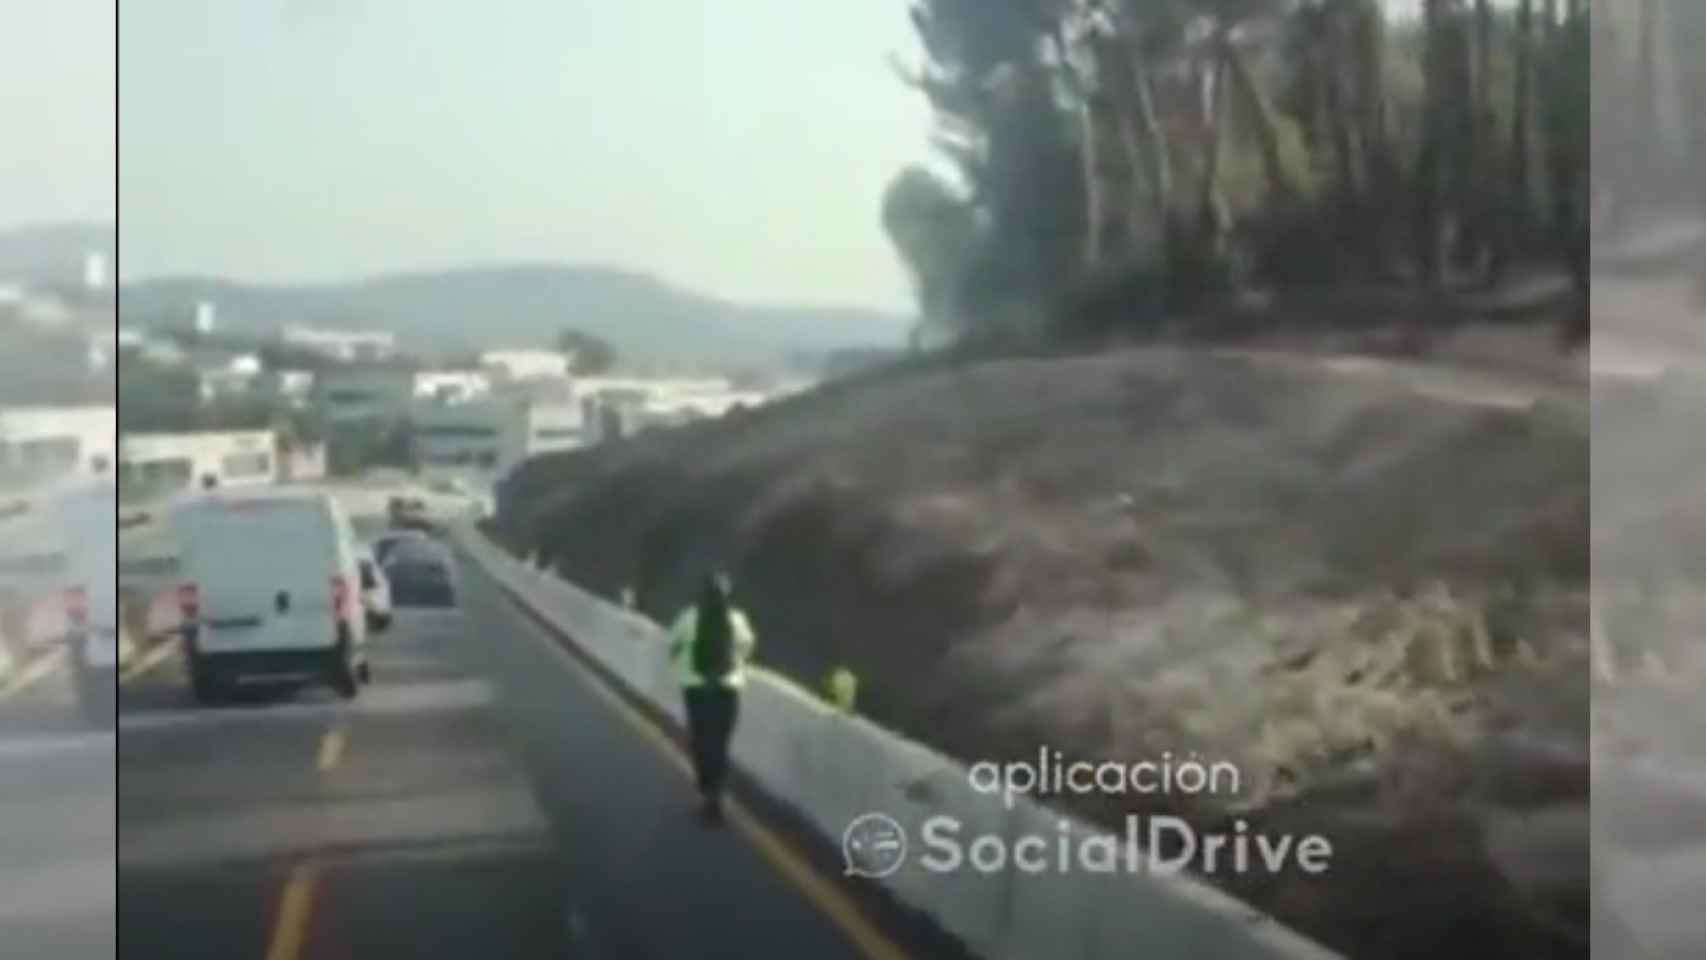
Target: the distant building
pixel 168 464
pixel 489 436
pixel 44 310
pixel 364 392
pixel 641 403
pixel 294 387
pixel 43 445
pixel 205 320
pixel 538 389
pixel 300 462
pixel 162 352
pixel 451 386
pixel 223 373
pixel 347 346
pixel 519 365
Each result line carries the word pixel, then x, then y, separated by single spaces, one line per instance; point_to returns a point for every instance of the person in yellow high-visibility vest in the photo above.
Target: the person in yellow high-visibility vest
pixel 710 644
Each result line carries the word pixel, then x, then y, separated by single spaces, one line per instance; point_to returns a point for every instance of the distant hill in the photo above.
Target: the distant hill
pixel 51 254
pixel 647 320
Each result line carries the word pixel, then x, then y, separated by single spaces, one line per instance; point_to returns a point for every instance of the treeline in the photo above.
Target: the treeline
pixel 1117 162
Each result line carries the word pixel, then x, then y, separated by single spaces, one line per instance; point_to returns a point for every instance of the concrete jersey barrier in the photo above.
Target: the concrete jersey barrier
pixel 832 768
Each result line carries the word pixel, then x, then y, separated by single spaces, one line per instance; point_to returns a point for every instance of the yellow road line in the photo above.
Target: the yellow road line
pixel 153 658
pixel 296 904
pixel 830 900
pixel 33 674
pixel 331 749
pixel 295 907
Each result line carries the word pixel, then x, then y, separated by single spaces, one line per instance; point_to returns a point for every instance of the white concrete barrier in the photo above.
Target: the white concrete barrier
pixel 832 768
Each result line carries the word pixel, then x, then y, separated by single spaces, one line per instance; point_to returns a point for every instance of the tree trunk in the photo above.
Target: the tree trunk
pixel 1483 85
pixel 1688 36
pixel 1267 134
pixel 1522 119
pixel 1649 128
pixel 1211 206
pixel 1379 172
pixel 1092 111
pixel 1123 79
pixel 1568 90
pixel 1338 115
pixel 1153 137
pixel 1371 59
pixel 1430 161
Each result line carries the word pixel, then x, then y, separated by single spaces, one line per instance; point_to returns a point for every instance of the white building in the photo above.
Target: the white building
pixel 451 386
pixel 348 346
pixel 294 387
pixel 487 437
pixel 301 462
pixel 224 374
pixel 44 445
pixel 643 403
pixel 45 311
pixel 163 352
pixel 514 365
pixel 166 464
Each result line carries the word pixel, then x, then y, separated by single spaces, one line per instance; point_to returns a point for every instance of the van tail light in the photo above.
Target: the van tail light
pixel 77 606
pixel 189 601
pixel 340 596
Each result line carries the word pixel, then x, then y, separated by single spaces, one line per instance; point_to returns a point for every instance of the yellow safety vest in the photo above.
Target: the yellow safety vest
pixel 685 633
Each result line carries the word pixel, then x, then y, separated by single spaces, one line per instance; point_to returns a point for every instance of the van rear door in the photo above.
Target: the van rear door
pixel 263 569
pixel 91 526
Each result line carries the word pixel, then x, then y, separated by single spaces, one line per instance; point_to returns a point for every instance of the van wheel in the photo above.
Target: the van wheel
pixel 97 696
pixel 206 687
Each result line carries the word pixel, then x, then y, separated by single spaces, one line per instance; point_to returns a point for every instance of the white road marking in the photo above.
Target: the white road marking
pixel 47 745
pixel 502 812
pixel 374 701
pixel 38 669
pixel 153 658
pixel 331 750
pixel 81 888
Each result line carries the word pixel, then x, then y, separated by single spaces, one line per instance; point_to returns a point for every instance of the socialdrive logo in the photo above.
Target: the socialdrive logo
pixel 873 845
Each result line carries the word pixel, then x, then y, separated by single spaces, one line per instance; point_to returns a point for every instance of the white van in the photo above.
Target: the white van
pixel 271 587
pixel 96 637
pixel 58 566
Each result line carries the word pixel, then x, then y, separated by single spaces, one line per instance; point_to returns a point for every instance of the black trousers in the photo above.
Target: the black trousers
pixel 711 713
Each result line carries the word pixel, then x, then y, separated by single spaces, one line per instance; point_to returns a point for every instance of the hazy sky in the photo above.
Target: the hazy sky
pixel 739 148
pixel 56 111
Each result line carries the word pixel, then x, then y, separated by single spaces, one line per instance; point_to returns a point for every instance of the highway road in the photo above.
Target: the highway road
pixel 480 799
pixel 57 814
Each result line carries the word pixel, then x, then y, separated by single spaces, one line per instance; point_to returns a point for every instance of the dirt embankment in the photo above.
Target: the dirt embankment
pixel 1366 592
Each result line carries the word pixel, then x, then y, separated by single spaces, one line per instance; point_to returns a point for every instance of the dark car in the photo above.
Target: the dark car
pixel 421 573
pixel 410 513
pixel 386 542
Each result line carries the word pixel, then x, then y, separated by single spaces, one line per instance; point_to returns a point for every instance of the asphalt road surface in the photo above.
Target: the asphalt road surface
pixel 480 799
pixel 56 819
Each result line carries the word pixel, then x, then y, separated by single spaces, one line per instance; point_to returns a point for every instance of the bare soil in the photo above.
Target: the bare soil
pixel 1364 582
